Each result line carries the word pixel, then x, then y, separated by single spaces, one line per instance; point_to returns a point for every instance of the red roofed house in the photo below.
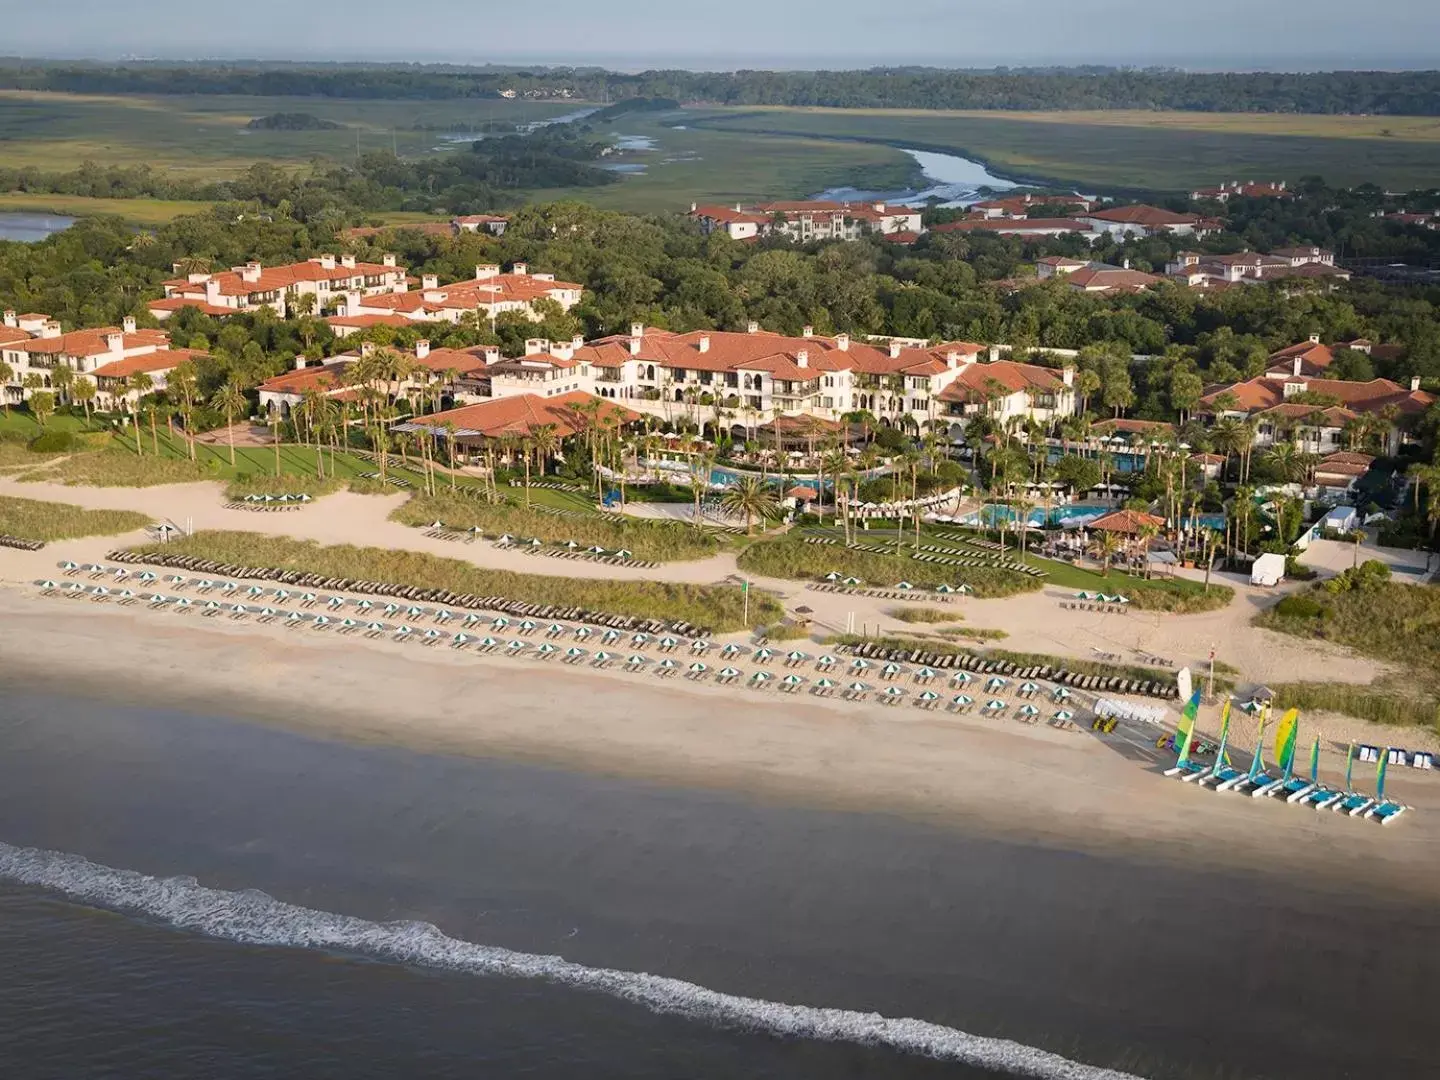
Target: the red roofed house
pixel 811 220
pixel 1309 358
pixel 245 288
pixel 519 415
pixel 1103 278
pixel 494 224
pixel 82 351
pixel 1234 189
pixel 1124 221
pixel 1004 389
pixel 112 380
pixel 163 309
pixel 1317 424
pixel 1017 207
pixel 1024 227
pixel 489 293
pixel 1249 267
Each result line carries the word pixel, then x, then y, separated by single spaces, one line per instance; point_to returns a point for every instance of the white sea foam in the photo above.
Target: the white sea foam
pixel 255 918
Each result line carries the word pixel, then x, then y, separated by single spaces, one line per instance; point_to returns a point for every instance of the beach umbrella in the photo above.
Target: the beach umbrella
pixel 637 661
pixel 640 640
pixel 239 609
pixel 596 550
pixel 832 576
pixel 268 612
pixel 1122 599
pixel 964 590
pixel 795 680
pixel 857 688
pixel 995 682
pixel 1028 710
pixel 1082 596
pixel 321 620
pixel 609 637
pixel 534 543
pixel 1061 694
pixel 390 609
pixel 852 581
pixel 348 624
pixel 308 598
pixel 555 629
pixel 666 665
pixel 229 587
pixel 432 634
pixel 700 646
pixel 74 586
pixel 212 605
pixel 762 655
pixel 761 677
pixel 571 544
pixel 255 590
pixel 603 657
pixel 962 700
pixel 293 617
pixel 205 584
pixel 281 595
pixel 488 642
pixel 730 672
pixel 823 684
pixel 859 665
pixel 905 585
pixel 545 648
pixel 335 602
pixel 668 643
pixel 515 646
pixel 583 632
pixel 928 695
pixel 68 565
pixel 894 692
pixel 499 622
pixel 148 575
pixel 573 652
pixel 437 524
pixel 944 589
pixel 444 615
pixel 1029 688
pixel 505 538
pixel 994 705
pixel 925 674
pixel 402 631
pixel 526 627
pixel 364 605
pixel 1252 706
pixel 697 668
pixel 415 612
pixel 375 627
pixel 48 585
pixel 825 662
pixel 173 579
pixel 623 554
pixel 891 670
pixel 795 656
pixel 1064 715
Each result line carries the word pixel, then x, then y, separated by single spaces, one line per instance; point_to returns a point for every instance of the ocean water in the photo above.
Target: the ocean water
pixel 185 894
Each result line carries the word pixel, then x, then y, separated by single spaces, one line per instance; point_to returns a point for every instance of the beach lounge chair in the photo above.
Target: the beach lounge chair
pixel 795 656
pixel 856 691
pixel 636 662
pixel 962 703
pixel 665 667
pixel 824 687
pixel 825 663
pixel 927 699
pixel 728 675
pixel 760 680
pixel 994 707
pixel 574 654
pixel 892 695
pixel 790 683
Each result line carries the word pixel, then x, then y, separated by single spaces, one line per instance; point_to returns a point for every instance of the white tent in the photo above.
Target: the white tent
pixel 1268 569
pixel 1342 519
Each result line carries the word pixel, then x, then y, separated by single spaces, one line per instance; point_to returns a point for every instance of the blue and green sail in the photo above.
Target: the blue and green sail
pixel 1349 767
pixel 1285 733
pixel 1315 760
pixel 1185 734
pixel 1221 757
pixel 1380 774
pixel 1257 764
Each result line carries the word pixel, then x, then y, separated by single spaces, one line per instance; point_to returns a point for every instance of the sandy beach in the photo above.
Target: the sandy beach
pixel 1034 784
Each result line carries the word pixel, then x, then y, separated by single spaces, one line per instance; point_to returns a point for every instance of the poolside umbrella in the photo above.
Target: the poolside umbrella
pixel 894 692
pixel 572 652
pixel 994 705
pixel 962 700
pixel 995 682
pixel 928 695
pixel 515 646
pixel 761 677
pixel 905 585
pixel 1064 715
pixel 1028 710
pixel 859 665
pixel 697 668
pixel 666 665
pixel 545 648
pixel 925 674
pixel 637 661
pixel 852 581
pixel 730 673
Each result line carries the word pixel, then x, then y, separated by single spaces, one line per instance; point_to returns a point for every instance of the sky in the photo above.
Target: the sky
pixel 1286 35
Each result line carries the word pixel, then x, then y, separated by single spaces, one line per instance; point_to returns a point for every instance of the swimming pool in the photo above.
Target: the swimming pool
pixel 1122 461
pixel 1072 516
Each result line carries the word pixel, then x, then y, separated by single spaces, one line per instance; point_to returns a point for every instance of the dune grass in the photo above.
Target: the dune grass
pixel 285 484
pixel 720 609
pixel 34 519
pixel 923 615
pixel 117 468
pixel 652 540
pixel 787 557
pixel 1381 702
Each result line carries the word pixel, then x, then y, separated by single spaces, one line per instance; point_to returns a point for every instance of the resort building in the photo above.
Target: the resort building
pixel 252 286
pixel 1126 221
pixel 1018 207
pixel 1314 413
pixel 1023 227
pixel 808 221
pixel 1095 277
pixel 494 224
pixel 1235 189
pixel 1248 267
pixel 488 294
pixel 113 386
pixel 519 416
pixel 33 355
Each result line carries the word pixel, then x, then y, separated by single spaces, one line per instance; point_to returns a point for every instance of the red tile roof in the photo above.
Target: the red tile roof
pixel 1313 356
pixel 1007 225
pixel 1098 278
pixel 974 384
pixel 92 342
pixel 319 377
pixel 175 303
pixel 1268 391
pixel 159 360
pixel 1126 521
pixel 1148 216
pixel 523 413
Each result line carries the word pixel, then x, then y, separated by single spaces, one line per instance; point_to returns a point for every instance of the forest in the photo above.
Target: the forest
pixel 1411 93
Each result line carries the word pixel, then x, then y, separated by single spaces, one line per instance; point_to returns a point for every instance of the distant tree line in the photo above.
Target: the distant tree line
pixel 1411 93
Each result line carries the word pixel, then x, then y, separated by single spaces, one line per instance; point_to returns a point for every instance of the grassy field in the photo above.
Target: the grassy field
pixel 138 211
pixel 700 165
pixel 719 608
pixel 204 136
pixel 30 519
pixel 1131 149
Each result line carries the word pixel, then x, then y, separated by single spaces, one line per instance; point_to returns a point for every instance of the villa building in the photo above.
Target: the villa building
pixel 1122 222
pixel 1235 189
pixel 34 346
pixel 1030 228
pixel 1095 277
pixel 808 221
pixel 253 286
pixel 488 294
pixel 494 224
pixel 1249 267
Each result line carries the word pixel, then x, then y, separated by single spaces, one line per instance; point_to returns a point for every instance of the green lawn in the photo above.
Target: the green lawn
pixel 1130 149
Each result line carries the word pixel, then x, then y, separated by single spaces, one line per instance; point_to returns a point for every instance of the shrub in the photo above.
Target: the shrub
pixel 52 442
pixel 1300 606
pixel 923 615
pixel 370 485
pixel 120 468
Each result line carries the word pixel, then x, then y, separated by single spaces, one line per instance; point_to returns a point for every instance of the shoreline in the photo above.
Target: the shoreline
pixel 995 779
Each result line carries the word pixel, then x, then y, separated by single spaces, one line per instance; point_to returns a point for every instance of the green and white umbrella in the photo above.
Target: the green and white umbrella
pixel 573 652
pixel 762 655
pixel 905 585
pixel 859 665
pixel 603 657
pixel 1028 710
pixel 962 699
pixel 795 680
pixel 761 677
pixel 499 622
pixel 1061 694
pixel 824 684
pixel 962 678
pixel 825 662
pixel 832 576
pixel 609 637
pixel 583 632
pixel 894 692
pixel 637 661
pixel 924 674
pixel 852 581
pixel 928 695
pixel 994 705
pixel 545 648
pixel 1029 688
pixel 697 668
pixel 730 649
pixel 795 656
pixel 1064 714
pixel 666 664
pixel 488 642
pixel 891 670
pixel 515 646
pixel 858 688
pixel 995 682
pixel 730 673
pixel 945 589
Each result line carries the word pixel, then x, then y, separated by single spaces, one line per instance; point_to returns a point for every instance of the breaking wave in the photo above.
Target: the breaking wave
pixel 255 918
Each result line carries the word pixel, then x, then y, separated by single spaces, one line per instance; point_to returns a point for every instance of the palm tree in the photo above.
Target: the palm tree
pixel 1228 435
pixel 230 399
pixel 83 390
pixel 1104 548
pixel 546 442
pixel 1286 460
pixel 527 447
pixel 750 497
pixel 62 378
pixel 6 374
pixel 183 383
pixel 138 384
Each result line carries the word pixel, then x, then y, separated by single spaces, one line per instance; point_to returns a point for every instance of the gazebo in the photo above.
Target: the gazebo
pixel 1129 523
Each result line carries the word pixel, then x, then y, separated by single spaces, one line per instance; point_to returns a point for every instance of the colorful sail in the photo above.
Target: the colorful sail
pixel 1285 733
pixel 1315 760
pixel 1349 766
pixel 1257 764
pixel 1220 756
pixel 1380 774
pixel 1185 734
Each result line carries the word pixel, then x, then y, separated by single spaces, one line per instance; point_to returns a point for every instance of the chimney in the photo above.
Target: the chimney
pixel 50 329
pixel 300 363
pixel 634 346
pixel 491 353
pixel 1067 376
pixel 1314 339
pixel 808 332
pixel 11 319
pixel 127 324
pixel 577 343
pixel 895 350
pixel 520 268
pixel 842 342
pixel 347 261
pixel 1126 264
pixel 212 290
pixel 1298 363
pixel 115 342
pixel 367 348
pixel 952 358
pixel 802 358
pixel 704 343
pixel 430 281
pixel 327 262
pixel 536 346
pixel 486 271
pixel 422 349
pixel 387 260
pixel 1414 383
pixel 637 329
pixel 752 328
pixel 251 272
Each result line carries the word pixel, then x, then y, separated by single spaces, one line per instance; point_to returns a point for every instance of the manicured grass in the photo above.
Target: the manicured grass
pixel 204 136
pixel 1130 149
pixel 32 519
pixel 787 557
pixel 138 211
pixel 17 423
pixel 718 608
pixel 655 541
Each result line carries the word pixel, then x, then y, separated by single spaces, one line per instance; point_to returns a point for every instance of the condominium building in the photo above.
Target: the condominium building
pixel 808 220
pixel 254 285
pixel 488 294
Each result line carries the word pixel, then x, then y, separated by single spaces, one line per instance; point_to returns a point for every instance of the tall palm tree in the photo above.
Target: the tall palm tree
pixel 230 399
pixel 83 390
pixel 1285 459
pixel 1105 547
pixel 751 498
pixel 546 442
pixel 183 383
pixel 138 384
